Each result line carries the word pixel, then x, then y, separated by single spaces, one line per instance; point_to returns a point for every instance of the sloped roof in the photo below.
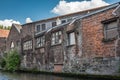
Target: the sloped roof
pixel 4 33
pixel 116 12
pixel 17 26
pixel 89 14
pixel 70 14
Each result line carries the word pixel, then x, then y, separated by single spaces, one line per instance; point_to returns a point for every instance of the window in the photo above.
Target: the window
pixel 54 24
pixel 12 45
pixel 27 45
pixel 56 37
pixel 40 41
pixel 43 27
pixel 71 38
pixel 38 28
pixel 69 19
pixel 63 21
pixel 110 30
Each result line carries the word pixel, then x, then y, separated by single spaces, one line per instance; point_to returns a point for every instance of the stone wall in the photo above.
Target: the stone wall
pixel 97 65
pixel 28 59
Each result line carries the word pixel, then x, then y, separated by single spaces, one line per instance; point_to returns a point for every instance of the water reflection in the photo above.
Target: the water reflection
pixel 23 76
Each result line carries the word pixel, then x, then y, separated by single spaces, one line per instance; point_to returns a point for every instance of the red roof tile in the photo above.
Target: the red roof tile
pixel 4 33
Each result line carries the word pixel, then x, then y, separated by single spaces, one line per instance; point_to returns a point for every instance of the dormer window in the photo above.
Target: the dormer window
pixel 40 27
pixel 54 24
pixel 43 27
pixel 63 21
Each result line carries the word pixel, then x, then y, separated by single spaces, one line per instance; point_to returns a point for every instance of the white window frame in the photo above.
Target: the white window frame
pixel 40 27
pixel 56 38
pixel 71 38
pixel 27 45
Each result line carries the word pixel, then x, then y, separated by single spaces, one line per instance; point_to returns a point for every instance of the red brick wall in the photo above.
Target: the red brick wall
pixel 92 29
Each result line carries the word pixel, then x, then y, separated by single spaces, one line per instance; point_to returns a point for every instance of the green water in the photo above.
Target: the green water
pixel 28 76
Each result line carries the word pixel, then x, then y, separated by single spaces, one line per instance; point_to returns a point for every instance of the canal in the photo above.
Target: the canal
pixel 28 76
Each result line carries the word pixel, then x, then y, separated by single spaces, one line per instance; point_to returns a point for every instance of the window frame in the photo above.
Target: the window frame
pixel 40 27
pixel 69 38
pixel 106 30
pixel 41 41
pixel 56 37
pixel 43 27
pixel 54 24
pixel 28 45
pixel 63 21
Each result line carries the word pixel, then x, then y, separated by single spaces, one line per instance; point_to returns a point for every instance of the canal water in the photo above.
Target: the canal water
pixel 28 76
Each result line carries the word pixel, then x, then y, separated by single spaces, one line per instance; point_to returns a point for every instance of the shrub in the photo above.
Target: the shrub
pixel 12 61
pixel 2 62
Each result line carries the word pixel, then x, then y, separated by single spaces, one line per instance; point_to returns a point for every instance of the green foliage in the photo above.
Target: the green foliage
pixel 5 27
pixel 12 61
pixel 2 62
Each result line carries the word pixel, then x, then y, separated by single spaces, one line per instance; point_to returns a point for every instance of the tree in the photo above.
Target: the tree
pixel 5 27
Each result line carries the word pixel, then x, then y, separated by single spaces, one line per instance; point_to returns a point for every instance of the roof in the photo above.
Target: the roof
pixel 70 14
pixel 98 11
pixel 116 12
pixel 17 26
pixel 89 14
pixel 4 33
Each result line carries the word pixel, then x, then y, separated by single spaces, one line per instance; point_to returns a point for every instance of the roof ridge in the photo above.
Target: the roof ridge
pixel 68 14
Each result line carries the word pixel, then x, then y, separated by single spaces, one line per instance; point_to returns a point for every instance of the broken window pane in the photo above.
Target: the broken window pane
pixel 40 41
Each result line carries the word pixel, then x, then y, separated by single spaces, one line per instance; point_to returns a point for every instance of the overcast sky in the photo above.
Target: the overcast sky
pixel 24 11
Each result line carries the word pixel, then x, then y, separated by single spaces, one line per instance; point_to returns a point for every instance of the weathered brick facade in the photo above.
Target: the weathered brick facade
pixel 75 46
pixel 14 38
pixel 93 35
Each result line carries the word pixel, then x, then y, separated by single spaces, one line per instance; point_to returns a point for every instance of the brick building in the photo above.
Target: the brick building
pixel 3 36
pixel 78 42
pixel 14 38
